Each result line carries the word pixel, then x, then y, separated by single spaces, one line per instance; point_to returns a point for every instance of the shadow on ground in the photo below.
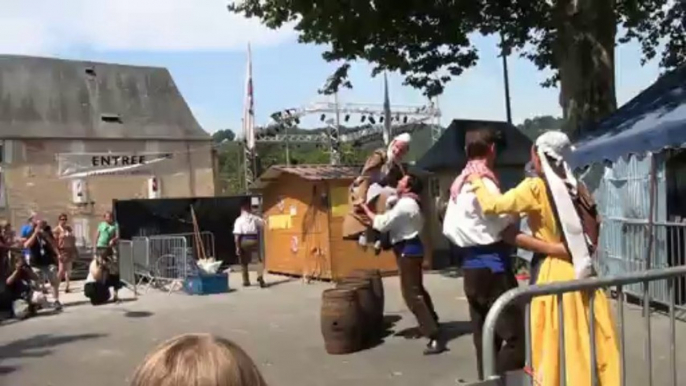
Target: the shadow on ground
pixel 450 330
pixel 138 314
pixel 40 345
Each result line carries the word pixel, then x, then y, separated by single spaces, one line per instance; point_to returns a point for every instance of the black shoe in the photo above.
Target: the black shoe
pixel 435 346
pixel 246 284
pixel 261 282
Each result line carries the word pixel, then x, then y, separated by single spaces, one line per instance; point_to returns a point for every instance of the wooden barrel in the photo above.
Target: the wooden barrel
pixel 368 307
pixel 374 276
pixel 340 321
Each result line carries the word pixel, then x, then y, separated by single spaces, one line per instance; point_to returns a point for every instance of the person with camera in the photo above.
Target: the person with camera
pixel 98 282
pixel 19 289
pixel 42 250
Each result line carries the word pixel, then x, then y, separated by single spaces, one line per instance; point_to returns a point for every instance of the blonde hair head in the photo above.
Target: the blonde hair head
pixel 198 360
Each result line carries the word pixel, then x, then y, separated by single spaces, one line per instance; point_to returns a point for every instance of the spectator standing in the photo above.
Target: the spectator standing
pixel 25 232
pixel 66 245
pixel 106 238
pixel 43 258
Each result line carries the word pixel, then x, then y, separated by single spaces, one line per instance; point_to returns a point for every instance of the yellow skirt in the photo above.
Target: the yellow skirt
pixel 544 333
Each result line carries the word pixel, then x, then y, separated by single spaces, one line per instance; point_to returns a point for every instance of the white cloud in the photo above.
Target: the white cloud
pixel 50 26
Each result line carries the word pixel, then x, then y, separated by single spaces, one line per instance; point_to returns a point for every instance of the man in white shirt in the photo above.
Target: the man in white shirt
pixel 404 224
pixel 486 258
pixel 246 230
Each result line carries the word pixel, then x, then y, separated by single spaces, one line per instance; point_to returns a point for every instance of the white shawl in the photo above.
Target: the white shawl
pixel 555 145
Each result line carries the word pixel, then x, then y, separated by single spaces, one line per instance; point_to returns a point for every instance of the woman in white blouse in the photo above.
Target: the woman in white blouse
pixel 404 224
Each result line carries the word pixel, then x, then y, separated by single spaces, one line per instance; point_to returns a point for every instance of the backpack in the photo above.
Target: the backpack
pixel 587 210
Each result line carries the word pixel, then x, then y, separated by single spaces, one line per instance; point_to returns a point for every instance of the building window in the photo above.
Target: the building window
pixel 81 231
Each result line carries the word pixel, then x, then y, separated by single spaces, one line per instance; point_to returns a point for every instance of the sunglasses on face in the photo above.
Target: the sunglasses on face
pixel 63 219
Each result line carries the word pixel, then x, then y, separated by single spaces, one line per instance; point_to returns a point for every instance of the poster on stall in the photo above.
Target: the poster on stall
pixel 339 201
pixel 279 221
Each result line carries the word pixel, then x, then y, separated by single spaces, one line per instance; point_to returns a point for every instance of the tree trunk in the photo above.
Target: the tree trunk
pixel 586 61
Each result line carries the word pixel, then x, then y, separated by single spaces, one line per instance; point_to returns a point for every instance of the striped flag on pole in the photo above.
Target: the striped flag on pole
pixel 249 107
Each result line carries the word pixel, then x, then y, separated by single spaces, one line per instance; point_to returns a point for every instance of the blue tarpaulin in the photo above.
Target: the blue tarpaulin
pixel 652 121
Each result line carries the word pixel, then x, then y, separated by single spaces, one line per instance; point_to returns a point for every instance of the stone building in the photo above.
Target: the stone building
pixel 74 136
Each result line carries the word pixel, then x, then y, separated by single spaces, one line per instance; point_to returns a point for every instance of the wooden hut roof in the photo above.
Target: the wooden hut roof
pixel 318 173
pixel 307 172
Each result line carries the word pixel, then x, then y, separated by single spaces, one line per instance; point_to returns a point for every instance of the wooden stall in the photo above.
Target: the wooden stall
pixel 304 208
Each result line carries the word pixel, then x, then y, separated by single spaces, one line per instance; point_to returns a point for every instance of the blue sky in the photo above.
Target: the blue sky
pixel 204 47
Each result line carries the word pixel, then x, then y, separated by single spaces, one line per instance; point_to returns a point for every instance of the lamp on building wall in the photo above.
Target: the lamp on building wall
pixel 79 192
pixel 154 188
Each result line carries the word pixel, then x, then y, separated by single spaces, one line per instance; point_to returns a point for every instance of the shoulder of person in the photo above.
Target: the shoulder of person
pixel 377 158
pixel 535 184
pixel 407 203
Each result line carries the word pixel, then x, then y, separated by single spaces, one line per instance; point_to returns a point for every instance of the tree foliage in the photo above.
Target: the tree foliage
pixel 429 41
pixel 536 126
pixel 421 38
pixel 223 135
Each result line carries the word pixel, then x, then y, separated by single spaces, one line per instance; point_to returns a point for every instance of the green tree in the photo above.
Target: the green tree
pixel 429 41
pixel 230 175
pixel 222 135
pixel 538 125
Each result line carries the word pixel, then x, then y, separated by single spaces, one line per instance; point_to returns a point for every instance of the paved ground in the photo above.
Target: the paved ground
pixel 278 327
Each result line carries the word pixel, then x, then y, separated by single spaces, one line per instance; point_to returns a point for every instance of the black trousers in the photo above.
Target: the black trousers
pixel 482 287
pixel 415 295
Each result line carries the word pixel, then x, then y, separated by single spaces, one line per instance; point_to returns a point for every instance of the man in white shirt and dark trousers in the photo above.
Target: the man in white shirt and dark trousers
pixel 404 224
pixel 486 258
pixel 246 230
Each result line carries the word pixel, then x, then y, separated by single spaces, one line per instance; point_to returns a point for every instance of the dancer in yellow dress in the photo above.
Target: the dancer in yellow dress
pixel 547 200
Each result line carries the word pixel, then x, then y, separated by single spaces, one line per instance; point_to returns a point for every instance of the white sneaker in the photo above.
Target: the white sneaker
pixel 362 240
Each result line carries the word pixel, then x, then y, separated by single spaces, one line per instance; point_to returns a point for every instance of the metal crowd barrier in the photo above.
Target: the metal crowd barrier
pixel 127 274
pixel 526 294
pixel 207 239
pixel 161 262
pixel 623 250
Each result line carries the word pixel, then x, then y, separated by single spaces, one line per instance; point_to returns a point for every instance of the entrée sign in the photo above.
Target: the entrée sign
pixel 79 165
pixel 120 160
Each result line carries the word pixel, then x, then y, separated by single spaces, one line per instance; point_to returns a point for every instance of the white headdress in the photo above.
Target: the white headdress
pixel 555 147
pixel 403 138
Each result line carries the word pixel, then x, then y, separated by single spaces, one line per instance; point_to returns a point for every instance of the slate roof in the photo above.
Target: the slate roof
pixel 55 98
pixel 448 151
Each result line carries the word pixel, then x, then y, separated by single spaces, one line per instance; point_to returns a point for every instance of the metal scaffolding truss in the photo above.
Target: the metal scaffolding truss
pixel 402 119
pixel 369 133
pixel 397 112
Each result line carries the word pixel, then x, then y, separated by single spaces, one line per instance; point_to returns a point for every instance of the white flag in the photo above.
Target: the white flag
pixel 249 107
pixel 387 132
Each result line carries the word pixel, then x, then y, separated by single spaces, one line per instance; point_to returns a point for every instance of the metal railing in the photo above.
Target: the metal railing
pixel 127 274
pixel 161 261
pixel 207 239
pixel 624 246
pixel 526 294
